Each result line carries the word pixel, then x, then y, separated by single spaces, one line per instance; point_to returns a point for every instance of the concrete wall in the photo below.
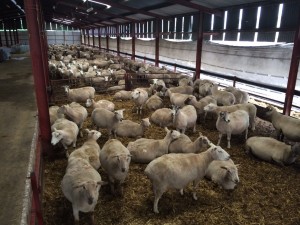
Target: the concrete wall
pixel 63 37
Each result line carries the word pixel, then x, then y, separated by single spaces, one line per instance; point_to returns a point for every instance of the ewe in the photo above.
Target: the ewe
pixel 178 170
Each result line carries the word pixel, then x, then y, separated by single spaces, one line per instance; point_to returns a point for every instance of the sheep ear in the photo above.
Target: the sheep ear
pixel 200 134
pixel 87 130
pixel 166 129
pixel 238 165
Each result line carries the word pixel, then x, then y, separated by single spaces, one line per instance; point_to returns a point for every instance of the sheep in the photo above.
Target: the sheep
pixel 159 85
pixel 64 131
pixel 183 144
pixel 232 123
pixel 240 96
pixel 150 90
pixel 104 118
pixel 223 173
pixel 178 99
pixel 132 129
pixel 80 185
pixel 74 112
pixel 287 126
pixel 115 160
pixel 154 102
pixel 162 117
pixel 139 97
pixel 248 107
pixel 122 95
pixel 105 104
pixel 90 150
pixel 222 97
pixel 181 89
pixel 54 115
pixel 202 87
pixel 177 170
pixel 199 105
pixel 185 117
pixel 144 150
pixel 116 88
pixel 272 150
pixel 79 94
pixel 186 81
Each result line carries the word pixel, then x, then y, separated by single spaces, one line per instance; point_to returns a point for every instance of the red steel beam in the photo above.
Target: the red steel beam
pixel 292 73
pixel 93 34
pixel 199 45
pixel 118 40
pixel 107 42
pixel 133 41
pixel 88 36
pixel 156 43
pixel 99 38
pixel 36 53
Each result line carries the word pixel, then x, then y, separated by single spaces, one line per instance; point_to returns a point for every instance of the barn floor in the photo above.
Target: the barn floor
pixel 266 194
pixel 17 119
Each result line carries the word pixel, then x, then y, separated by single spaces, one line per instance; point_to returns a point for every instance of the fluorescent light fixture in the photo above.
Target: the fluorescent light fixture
pixel 89 9
pixel 100 3
pixel 84 0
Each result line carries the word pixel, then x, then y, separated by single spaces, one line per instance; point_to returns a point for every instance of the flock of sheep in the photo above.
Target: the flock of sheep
pixel 174 161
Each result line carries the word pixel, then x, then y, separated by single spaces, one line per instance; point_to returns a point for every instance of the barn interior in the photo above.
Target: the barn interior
pixel 252 45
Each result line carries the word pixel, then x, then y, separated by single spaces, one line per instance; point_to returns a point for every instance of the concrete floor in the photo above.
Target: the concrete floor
pixel 17 123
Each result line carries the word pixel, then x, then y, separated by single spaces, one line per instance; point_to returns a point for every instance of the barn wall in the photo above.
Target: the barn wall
pixel 260 64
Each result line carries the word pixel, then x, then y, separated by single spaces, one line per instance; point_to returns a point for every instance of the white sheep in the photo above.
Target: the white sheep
pixel 105 104
pixel 186 81
pixel 222 97
pixel 64 131
pixel 79 94
pixel 80 185
pixel 54 115
pixel 178 99
pixel 154 102
pixel 90 150
pixel 272 150
pixel 286 125
pixel 162 117
pixel 232 123
pixel 223 173
pixel 122 95
pixel 144 150
pixel 199 105
pixel 177 170
pixel 248 107
pixel 115 160
pixel 181 89
pixel 74 112
pixel 184 144
pixel 131 129
pixel 104 118
pixel 240 96
pixel 139 97
pixel 185 117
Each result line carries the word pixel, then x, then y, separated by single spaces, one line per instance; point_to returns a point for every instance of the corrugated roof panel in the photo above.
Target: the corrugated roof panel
pixel 173 10
pixel 120 20
pixel 138 4
pixel 221 3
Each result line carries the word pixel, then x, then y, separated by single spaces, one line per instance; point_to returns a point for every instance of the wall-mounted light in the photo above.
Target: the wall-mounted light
pixel 100 3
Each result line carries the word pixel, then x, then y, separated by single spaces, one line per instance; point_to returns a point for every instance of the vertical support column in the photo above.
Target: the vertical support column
pixel 14 32
pixel 10 34
pixel 99 38
pixel 293 72
pixel 84 36
pixel 88 36
pixel 107 40
pixel 0 41
pixel 199 45
pixel 36 52
pixel 133 41
pixel 5 34
pixel 93 34
pixel 118 40
pixel 156 42
pixel 17 35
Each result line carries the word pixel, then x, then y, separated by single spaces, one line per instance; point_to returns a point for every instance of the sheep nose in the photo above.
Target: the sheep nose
pixel 123 170
pixel 90 200
pixel 236 181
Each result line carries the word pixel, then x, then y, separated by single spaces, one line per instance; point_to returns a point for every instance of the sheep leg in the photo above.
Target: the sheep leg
pixel 246 134
pixel 277 162
pixel 195 186
pixel 157 195
pixel 76 215
pixel 228 140
pixel 92 218
pixel 220 137
pixel 181 191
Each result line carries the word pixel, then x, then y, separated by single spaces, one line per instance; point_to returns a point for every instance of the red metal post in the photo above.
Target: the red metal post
pixel 157 43
pixel 36 52
pixel 84 36
pixel 10 35
pixel 118 41
pixel 93 34
pixel 293 73
pixel 36 198
pixel 0 41
pixel 5 34
pixel 199 45
pixel 107 39
pixel 88 36
pixel 133 41
pixel 99 38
